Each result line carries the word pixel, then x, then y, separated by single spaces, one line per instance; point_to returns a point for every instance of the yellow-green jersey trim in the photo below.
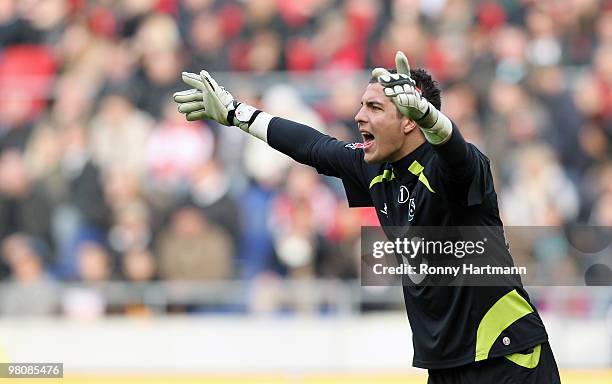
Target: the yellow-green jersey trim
pixel 530 360
pixel 417 169
pixel 508 309
pixel 386 176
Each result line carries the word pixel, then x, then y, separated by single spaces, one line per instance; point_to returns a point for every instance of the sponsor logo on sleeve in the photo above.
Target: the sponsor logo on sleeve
pixel 354 145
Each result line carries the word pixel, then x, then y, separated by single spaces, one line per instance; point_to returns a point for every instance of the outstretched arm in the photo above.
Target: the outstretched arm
pixel 209 100
pixel 332 157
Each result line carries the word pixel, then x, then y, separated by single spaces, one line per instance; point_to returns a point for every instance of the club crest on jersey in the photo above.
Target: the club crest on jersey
pixel 354 145
pixel 411 209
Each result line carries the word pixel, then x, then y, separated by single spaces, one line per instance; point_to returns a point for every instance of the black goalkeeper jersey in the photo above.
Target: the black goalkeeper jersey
pixel 446 185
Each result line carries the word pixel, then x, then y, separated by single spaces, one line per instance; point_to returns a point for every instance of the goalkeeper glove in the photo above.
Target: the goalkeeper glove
pixel 402 89
pixel 209 100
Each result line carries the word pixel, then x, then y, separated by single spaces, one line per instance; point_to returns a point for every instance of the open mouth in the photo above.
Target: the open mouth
pixel 368 139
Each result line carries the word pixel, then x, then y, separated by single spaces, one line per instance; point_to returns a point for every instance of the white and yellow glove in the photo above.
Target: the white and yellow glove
pixel 209 100
pixel 402 89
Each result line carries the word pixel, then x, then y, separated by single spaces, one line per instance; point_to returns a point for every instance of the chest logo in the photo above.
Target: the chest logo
pixel 403 195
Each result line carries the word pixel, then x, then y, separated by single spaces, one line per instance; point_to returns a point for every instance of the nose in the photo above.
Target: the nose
pixel 361 117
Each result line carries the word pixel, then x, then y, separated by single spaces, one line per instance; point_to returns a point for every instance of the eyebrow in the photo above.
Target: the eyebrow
pixel 372 103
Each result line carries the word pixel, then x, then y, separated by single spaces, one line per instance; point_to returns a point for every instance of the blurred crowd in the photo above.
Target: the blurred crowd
pixel 101 179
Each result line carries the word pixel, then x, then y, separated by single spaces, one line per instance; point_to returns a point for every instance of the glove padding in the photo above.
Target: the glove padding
pixel 402 89
pixel 209 100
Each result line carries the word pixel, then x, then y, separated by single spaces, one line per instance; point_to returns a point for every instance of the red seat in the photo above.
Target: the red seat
pixel 27 73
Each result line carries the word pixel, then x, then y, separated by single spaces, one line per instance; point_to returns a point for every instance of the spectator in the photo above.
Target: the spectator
pixel 158 41
pixel 540 192
pixel 138 267
pixel 206 40
pixel 31 290
pixel 131 230
pixel 119 134
pixel 83 213
pixel 24 206
pixel 174 150
pixel 191 248
pixel 94 268
pixel 210 191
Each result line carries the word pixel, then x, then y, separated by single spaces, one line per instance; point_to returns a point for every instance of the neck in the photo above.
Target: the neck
pixel 409 146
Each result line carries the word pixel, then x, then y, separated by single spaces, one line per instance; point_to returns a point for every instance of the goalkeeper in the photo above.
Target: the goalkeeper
pixel 416 169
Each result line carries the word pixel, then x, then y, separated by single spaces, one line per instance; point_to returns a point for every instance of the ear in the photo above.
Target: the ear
pixel 408 125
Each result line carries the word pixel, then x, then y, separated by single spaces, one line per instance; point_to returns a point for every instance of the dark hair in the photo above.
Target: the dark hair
pixel 428 86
